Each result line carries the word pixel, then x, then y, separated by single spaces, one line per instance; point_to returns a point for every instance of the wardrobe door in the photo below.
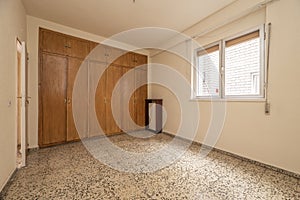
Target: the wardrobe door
pixel 98 52
pixel 116 56
pixel 78 48
pixel 128 107
pixel 53 97
pixel 138 61
pixel 53 42
pixel 74 64
pixel 113 75
pixel 140 95
pixel 97 98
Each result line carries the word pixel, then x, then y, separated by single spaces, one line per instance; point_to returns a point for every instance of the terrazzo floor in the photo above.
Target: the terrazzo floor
pixel 71 172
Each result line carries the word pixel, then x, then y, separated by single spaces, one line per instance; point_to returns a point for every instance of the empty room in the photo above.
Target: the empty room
pixel 149 99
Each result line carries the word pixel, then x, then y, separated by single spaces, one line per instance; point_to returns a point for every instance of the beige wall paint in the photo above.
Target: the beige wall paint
pixel 13 25
pixel 247 131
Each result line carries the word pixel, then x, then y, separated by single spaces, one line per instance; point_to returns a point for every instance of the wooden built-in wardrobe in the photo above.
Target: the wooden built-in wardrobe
pixel 60 57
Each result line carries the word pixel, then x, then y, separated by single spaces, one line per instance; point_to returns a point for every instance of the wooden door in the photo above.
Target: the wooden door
pixel 53 98
pixel 138 61
pixel 74 65
pixel 53 42
pixel 113 75
pixel 116 56
pixel 127 87
pixel 140 96
pixel 97 101
pixel 98 52
pixel 78 48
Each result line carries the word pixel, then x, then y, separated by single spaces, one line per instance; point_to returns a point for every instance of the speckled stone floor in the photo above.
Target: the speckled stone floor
pixel 71 172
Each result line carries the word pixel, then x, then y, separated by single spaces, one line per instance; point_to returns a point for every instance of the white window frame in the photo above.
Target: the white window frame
pixel 195 85
pixel 222 68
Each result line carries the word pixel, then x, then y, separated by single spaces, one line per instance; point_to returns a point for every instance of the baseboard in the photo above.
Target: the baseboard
pixel 7 183
pixel 261 164
pixel 33 148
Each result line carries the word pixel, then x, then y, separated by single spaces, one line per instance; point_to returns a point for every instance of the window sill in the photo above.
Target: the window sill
pixel 255 100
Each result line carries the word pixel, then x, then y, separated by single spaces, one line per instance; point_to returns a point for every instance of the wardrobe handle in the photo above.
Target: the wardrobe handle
pixel 65 100
pixel 69 101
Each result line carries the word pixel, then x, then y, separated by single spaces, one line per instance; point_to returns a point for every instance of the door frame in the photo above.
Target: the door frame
pixel 21 110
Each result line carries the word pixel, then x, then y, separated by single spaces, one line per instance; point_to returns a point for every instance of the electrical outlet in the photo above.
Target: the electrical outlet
pixel 267 108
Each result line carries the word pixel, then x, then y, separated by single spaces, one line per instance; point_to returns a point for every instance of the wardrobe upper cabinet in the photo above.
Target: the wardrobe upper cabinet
pixel 98 52
pixel 77 48
pixel 53 99
pixel 117 56
pixel 59 43
pixel 53 42
pixel 136 60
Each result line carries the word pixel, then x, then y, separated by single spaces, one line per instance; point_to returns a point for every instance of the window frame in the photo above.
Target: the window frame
pixel 222 68
pixel 219 43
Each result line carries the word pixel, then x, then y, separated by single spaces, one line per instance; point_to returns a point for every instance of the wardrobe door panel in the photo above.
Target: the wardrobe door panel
pixel 140 60
pixel 116 56
pixel 78 48
pixel 98 52
pixel 97 94
pixel 128 122
pixel 140 95
pixel 53 42
pixel 123 59
pixel 114 74
pixel 54 84
pixel 136 59
pixel 74 65
pixel 132 59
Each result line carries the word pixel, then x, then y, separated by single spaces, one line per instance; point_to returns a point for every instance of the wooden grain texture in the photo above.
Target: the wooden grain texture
pixel 53 42
pixel 53 83
pixel 117 56
pixel 74 65
pixel 60 57
pixel 128 84
pixel 141 92
pixel 113 74
pixel 98 52
pixel 140 97
pixel 77 48
pixel 97 95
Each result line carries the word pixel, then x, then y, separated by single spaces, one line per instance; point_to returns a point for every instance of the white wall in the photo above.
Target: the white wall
pixel 13 25
pixel 272 139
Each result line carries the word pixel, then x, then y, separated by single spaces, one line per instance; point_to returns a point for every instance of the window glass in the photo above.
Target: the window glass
pixel 242 68
pixel 208 72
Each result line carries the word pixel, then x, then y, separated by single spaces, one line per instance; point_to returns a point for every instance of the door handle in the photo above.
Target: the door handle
pixel 69 101
pixel 65 100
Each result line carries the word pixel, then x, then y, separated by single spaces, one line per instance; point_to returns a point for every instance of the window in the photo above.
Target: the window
pixel 208 75
pixel 232 68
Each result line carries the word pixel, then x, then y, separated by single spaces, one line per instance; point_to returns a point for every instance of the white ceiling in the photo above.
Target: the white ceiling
pixel 109 17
